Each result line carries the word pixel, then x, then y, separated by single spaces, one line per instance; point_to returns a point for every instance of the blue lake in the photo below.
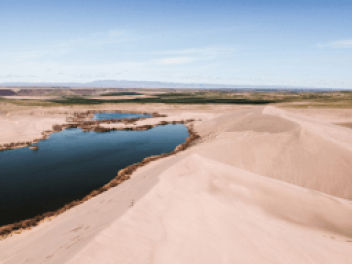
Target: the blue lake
pixel 72 163
pixel 100 116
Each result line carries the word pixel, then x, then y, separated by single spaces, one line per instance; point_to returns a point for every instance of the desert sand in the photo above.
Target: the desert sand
pixel 262 185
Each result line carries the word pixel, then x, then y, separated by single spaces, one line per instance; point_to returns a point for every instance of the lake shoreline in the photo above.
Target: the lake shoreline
pixel 122 175
pixel 84 121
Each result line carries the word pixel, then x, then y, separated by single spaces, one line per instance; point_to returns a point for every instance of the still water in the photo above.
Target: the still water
pixel 100 116
pixel 70 164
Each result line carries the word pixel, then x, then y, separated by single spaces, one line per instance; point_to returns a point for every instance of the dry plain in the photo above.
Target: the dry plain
pixel 264 184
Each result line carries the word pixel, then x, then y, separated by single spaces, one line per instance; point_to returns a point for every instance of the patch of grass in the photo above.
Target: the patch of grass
pixel 121 93
pixel 203 100
pixel 174 94
pixel 28 102
pixel 77 100
pixel 331 100
pixel 187 100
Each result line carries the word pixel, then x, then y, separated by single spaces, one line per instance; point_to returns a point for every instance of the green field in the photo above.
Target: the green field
pixel 342 99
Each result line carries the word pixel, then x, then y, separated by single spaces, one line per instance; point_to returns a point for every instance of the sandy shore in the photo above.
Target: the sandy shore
pixel 27 123
pixel 264 185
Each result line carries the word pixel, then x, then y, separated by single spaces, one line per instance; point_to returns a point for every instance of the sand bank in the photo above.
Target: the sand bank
pixel 264 186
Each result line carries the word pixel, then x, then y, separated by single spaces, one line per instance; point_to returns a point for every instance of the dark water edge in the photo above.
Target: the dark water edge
pixel 70 164
pixel 118 115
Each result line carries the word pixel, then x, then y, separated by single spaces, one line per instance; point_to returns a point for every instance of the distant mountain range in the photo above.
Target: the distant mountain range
pixel 136 84
pixel 157 85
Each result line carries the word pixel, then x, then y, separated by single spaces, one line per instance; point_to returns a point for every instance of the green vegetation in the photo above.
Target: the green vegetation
pixel 176 100
pixel 284 99
pixel 28 102
pixel 174 94
pixel 77 100
pixel 320 99
pixel 120 94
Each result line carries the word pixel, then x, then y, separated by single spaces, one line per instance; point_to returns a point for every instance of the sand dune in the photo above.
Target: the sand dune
pixel 203 211
pixel 280 148
pixel 263 186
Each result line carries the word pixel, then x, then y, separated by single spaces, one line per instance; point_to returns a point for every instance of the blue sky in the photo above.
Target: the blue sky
pixel 274 42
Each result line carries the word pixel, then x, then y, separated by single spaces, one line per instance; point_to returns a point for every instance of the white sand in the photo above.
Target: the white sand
pixel 264 186
pixel 19 128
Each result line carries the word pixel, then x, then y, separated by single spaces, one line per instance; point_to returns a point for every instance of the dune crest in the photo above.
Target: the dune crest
pixel 261 141
pixel 204 211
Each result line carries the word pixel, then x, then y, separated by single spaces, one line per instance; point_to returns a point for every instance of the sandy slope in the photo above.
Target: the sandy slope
pixel 15 128
pixel 264 186
pixel 274 143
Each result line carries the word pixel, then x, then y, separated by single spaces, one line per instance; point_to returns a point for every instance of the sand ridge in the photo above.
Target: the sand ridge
pixel 203 211
pixel 265 185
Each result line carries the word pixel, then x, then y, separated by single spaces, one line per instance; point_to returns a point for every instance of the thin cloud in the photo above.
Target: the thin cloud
pixel 35 54
pixel 176 60
pixel 205 53
pixel 10 75
pixel 201 77
pixel 102 74
pixel 114 34
pixel 99 38
pixel 83 76
pixel 342 44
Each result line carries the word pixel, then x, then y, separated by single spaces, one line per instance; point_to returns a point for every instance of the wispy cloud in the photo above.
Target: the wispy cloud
pixel 175 60
pixel 340 44
pixel 183 56
pixel 98 38
pixel 113 36
pixel 206 53
pixel 201 77
pixel 102 74
pixel 10 76
pixel 85 76
pixel 34 54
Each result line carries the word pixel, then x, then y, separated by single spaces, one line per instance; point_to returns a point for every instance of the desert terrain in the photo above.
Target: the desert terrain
pixel 264 184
